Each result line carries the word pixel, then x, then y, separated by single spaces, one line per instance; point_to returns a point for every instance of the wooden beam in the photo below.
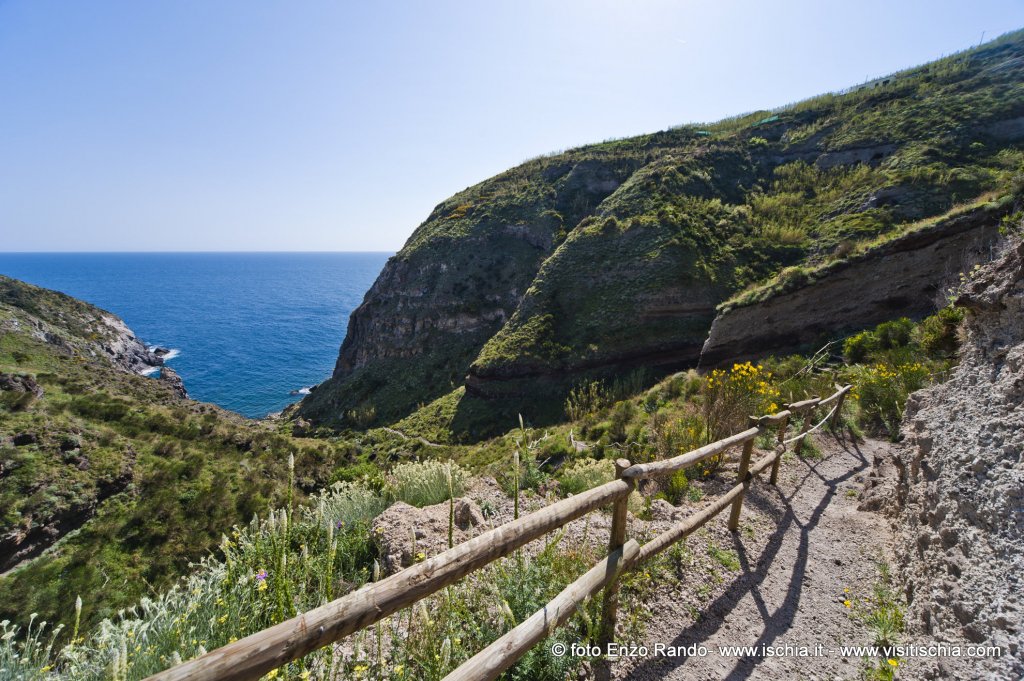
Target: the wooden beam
pixel 257 654
pixel 737 505
pixel 490 662
pixel 617 539
pixel 658 468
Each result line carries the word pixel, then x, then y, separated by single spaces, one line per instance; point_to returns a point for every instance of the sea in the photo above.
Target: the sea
pixel 250 332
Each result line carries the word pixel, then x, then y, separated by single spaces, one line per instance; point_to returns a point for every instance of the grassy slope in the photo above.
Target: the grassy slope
pixel 697 214
pixel 145 482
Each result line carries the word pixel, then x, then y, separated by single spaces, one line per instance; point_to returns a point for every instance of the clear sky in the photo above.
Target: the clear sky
pixel 331 125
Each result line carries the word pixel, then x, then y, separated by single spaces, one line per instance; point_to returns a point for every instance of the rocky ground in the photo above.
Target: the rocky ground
pixel 803 550
pixel 954 490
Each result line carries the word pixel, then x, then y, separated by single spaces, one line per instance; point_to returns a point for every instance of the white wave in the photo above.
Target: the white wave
pixel 174 352
pixel 149 371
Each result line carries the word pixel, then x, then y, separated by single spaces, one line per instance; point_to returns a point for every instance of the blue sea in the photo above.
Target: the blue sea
pixel 247 331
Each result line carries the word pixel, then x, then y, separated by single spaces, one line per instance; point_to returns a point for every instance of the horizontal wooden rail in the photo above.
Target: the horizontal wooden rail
pixel 657 468
pixel 693 523
pixel 798 407
pixel 254 655
pixel 840 391
pixel 490 662
pixel 258 653
pixel 774 419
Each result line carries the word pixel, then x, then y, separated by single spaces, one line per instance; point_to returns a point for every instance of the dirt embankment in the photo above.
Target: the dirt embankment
pixel 955 489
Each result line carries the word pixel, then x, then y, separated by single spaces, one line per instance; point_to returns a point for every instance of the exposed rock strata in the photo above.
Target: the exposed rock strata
pixel 905 277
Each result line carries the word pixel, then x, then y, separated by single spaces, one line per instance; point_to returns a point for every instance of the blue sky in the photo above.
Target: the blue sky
pixel 221 125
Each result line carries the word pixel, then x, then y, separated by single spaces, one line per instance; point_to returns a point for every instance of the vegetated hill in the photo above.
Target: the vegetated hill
pixel 110 483
pixel 592 262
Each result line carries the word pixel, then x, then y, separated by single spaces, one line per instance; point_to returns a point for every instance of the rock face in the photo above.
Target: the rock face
pixel 907 276
pixel 73 325
pixel 597 261
pixel 955 490
pixel 406 534
pixel 171 378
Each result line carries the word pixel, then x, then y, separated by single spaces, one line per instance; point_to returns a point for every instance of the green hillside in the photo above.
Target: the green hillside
pixel 592 262
pixel 110 485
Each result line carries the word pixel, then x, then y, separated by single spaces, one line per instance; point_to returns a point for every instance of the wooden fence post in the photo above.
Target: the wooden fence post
pixel 610 610
pixel 839 409
pixel 808 415
pixel 781 442
pixel 737 506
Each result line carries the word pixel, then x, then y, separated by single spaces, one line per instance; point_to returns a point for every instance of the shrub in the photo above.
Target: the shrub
pixel 856 348
pixel 894 334
pixel 676 488
pixel 938 334
pixel 585 474
pixel 622 415
pixel 886 336
pixel 348 502
pixel 882 390
pixel 426 483
pixel 586 399
pixel 730 397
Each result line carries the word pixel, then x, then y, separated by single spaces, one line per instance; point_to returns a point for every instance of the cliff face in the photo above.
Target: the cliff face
pixel 599 260
pixel 71 324
pixel 456 282
pixel 907 276
pixel 955 488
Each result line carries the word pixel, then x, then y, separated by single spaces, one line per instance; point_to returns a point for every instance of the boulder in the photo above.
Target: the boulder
pixel 405 534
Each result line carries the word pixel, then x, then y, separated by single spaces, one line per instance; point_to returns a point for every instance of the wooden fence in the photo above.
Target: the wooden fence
pixel 259 653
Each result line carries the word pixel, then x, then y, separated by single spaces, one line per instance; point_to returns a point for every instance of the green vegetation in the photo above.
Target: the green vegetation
pixel 134 483
pixel 297 558
pixel 576 266
pixel 882 613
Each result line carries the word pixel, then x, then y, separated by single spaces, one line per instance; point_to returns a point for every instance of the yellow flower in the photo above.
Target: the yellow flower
pixel 894 663
pixel 847 604
pixel 232 639
pixel 846 590
pixel 222 619
pixel 272 674
pixel 262 586
pixel 420 556
pixel 304 674
pixel 399 669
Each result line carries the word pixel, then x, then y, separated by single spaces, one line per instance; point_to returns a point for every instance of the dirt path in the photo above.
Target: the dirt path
pixel 804 543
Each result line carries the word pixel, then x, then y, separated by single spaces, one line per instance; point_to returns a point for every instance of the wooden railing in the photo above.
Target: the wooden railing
pixel 259 653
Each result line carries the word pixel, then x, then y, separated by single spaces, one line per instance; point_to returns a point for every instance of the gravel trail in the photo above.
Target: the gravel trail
pixel 804 543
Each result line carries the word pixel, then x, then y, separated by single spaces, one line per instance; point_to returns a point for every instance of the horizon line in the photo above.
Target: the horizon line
pixel 268 252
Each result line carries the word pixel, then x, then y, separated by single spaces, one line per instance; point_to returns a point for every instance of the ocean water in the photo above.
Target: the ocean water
pixel 246 330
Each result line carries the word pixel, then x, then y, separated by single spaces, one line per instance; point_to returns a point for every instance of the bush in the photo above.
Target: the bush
pixel 677 487
pixel 586 474
pixel 348 502
pixel 730 397
pixel 586 399
pixel 622 416
pixel 882 390
pixel 858 347
pixel 938 334
pixel 426 483
pixel 886 336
